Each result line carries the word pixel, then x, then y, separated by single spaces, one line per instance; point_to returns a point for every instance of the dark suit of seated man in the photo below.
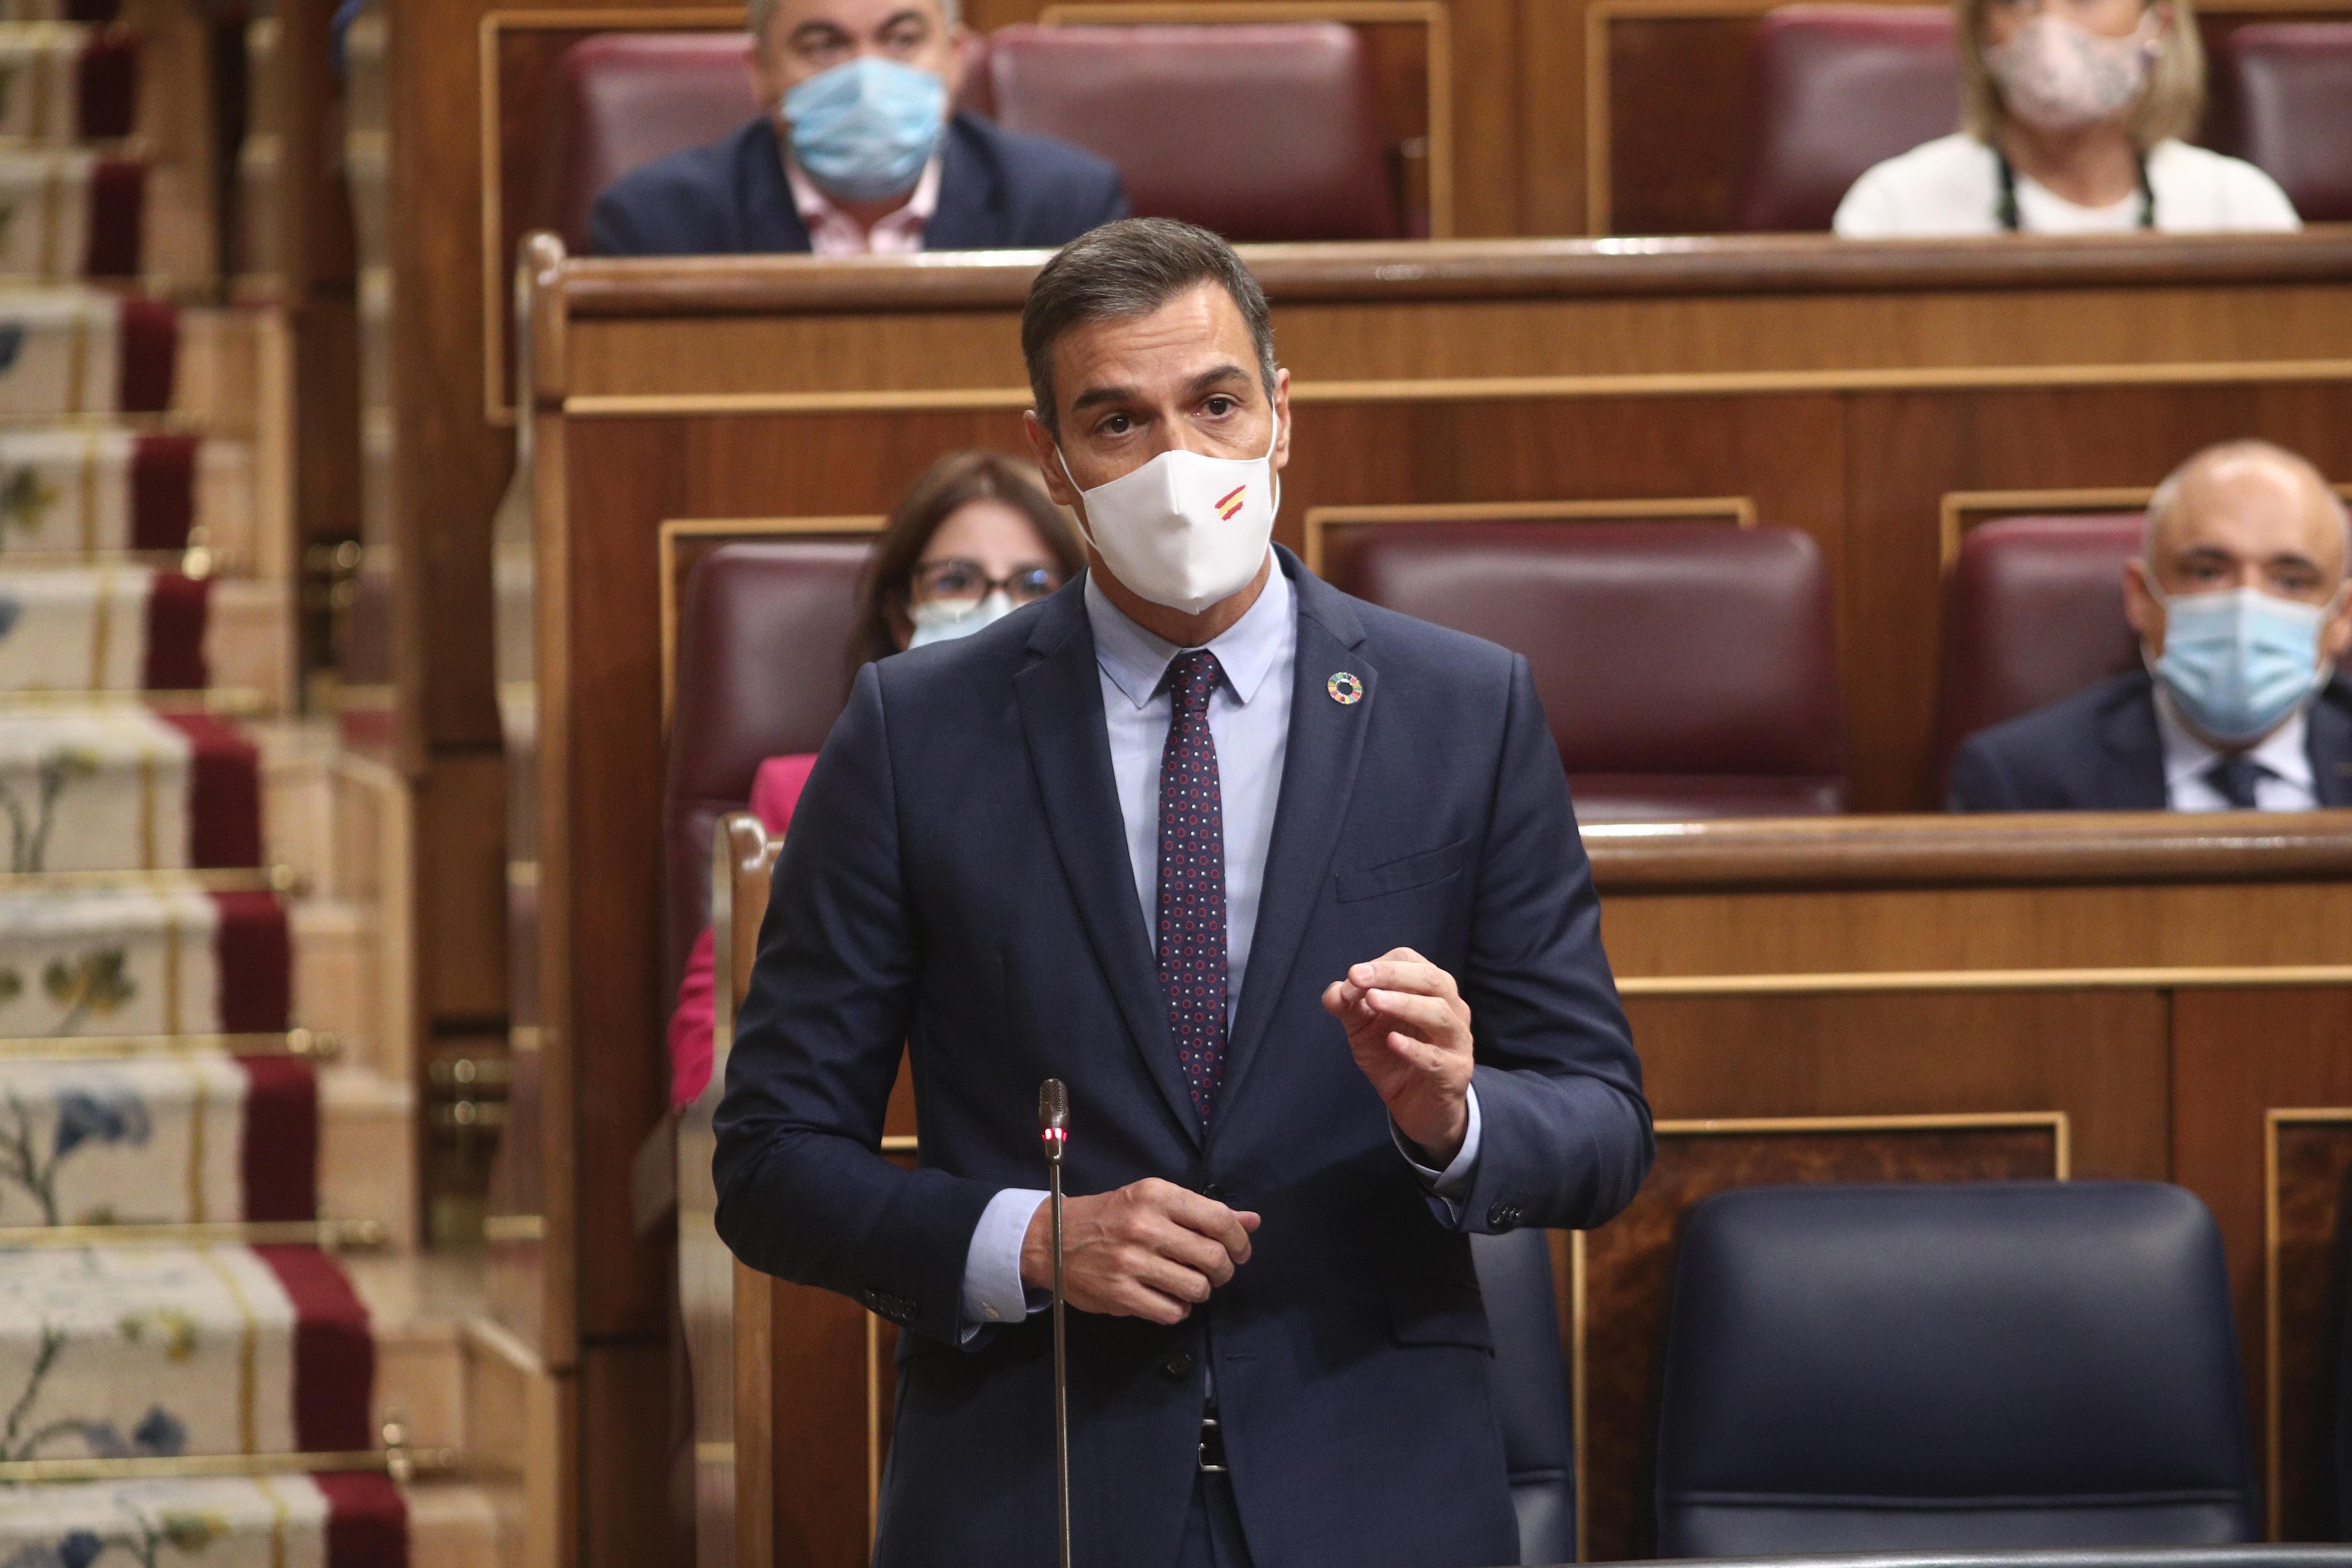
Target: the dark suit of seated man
pixel 1289 890
pixel 868 161
pixel 2238 599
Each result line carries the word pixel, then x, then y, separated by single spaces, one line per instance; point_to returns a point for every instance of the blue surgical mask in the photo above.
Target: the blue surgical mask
pixel 2237 664
pixel 936 622
pixel 864 129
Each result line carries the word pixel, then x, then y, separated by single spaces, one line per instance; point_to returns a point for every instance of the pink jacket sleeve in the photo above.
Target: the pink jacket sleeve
pixel 775 790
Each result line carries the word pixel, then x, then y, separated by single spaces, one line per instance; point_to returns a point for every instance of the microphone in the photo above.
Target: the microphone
pixel 1053 1131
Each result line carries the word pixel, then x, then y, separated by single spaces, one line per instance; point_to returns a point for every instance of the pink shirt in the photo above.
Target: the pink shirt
pixel 775 790
pixel 833 232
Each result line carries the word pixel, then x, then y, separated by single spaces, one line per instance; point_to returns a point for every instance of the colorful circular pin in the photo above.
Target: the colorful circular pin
pixel 1345 689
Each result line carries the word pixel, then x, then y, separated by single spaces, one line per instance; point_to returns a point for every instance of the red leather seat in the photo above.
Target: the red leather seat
pixel 1832 89
pixel 2284 97
pixel 623 99
pixel 2033 609
pixel 762 671
pixel 1260 131
pixel 1687 670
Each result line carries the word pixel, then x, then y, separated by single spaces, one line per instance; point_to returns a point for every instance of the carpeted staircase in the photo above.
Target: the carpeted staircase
pixel 212 1312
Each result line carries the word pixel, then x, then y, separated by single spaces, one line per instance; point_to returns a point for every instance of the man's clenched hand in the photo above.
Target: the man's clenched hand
pixel 1151 1250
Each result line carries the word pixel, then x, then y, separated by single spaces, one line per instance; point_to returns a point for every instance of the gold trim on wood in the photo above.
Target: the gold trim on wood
pixel 1738 510
pixel 1438 57
pixel 496 267
pixel 2060 1124
pixel 2162 977
pixel 671 531
pixel 1475 389
pixel 514 1228
pixel 2274 1483
pixel 1960 510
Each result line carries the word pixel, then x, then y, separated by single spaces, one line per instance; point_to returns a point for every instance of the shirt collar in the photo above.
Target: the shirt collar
pixel 1137 661
pixel 816 208
pixel 2284 753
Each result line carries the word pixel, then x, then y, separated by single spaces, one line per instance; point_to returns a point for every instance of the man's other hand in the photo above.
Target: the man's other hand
pixel 1150 1250
pixel 1410 1031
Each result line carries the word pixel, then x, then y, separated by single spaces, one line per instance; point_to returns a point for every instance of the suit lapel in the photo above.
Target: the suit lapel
pixel 1318 776
pixel 771 221
pixel 966 217
pixel 2132 750
pixel 2329 740
pixel 1060 694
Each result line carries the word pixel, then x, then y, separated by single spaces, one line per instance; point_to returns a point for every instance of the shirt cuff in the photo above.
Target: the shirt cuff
pixel 992 1291
pixel 1452 1183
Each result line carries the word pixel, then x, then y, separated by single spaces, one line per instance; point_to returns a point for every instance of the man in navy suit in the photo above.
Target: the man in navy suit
pixel 1289 890
pixel 859 153
pixel 2238 599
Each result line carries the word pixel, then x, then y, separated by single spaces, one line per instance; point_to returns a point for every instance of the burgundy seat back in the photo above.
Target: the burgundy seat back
pixel 1832 89
pixel 2033 609
pixel 2284 98
pixel 1260 131
pixel 623 99
pixel 1687 670
pixel 763 669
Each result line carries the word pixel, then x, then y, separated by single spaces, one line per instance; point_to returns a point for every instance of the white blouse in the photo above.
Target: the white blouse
pixel 1952 186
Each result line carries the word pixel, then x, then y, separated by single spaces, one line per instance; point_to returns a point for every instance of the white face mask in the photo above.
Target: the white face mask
pixel 2057 76
pixel 1185 531
pixel 936 622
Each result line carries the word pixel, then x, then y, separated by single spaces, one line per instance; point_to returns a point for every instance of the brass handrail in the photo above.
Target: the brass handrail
pixel 316 1045
pixel 339 1235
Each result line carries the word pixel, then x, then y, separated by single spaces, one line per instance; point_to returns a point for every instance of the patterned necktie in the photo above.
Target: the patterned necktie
pixel 1193 881
pixel 2234 778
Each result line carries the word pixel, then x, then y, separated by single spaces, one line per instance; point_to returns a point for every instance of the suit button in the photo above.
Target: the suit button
pixel 1178 1367
pixel 1501 1217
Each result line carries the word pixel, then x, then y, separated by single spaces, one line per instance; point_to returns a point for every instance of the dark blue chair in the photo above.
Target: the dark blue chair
pixel 1961 1366
pixel 1530 1390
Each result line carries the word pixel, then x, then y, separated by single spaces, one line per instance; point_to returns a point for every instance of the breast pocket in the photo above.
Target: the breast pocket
pixel 1421 870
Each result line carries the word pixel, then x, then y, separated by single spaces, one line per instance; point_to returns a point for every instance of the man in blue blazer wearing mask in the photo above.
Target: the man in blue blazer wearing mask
pixel 859 154
pixel 2240 601
pixel 1288 889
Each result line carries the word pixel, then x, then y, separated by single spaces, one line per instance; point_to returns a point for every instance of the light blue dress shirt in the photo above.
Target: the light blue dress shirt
pixel 1249 718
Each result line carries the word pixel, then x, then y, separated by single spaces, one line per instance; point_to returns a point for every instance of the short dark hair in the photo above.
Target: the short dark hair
pixel 1131 268
pixel 885 589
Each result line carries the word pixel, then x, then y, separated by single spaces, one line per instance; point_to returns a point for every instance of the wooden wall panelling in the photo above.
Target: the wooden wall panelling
pixel 624 1434
pixel 1627 1267
pixel 2239 1058
pixel 1663 95
pixel 2303 1254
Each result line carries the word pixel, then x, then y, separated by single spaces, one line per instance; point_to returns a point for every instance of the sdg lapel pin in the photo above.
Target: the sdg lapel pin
pixel 1345 689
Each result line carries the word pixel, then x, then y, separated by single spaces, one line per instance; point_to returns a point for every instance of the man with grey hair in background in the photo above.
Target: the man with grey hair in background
pixel 2238 599
pixel 859 151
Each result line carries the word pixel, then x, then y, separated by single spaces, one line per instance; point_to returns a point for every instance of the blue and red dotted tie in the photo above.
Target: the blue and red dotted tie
pixel 1193 881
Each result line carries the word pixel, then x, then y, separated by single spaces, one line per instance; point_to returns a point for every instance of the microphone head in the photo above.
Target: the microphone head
pixel 1054 1111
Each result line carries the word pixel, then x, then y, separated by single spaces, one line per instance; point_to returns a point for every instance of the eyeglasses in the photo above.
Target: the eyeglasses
pixel 958 582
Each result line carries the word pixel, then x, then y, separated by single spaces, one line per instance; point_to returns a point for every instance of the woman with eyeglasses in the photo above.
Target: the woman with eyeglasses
pixel 973 539
pixel 2075 112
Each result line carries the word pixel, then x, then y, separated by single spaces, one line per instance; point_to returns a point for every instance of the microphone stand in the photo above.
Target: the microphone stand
pixel 1053 1130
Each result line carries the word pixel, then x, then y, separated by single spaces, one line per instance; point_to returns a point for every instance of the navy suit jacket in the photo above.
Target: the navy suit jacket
pixel 998 191
pixel 956 878
pixel 2099 749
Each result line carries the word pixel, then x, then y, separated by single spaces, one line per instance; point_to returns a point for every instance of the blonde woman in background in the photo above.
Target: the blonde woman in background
pixel 2075 113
